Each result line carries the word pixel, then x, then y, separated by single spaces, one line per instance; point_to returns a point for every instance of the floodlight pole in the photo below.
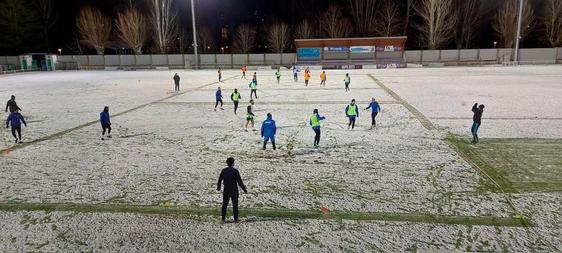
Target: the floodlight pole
pixel 194 35
pixel 516 58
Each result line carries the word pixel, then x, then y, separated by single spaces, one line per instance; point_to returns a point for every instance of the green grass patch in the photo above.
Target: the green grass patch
pixel 516 165
pixel 265 214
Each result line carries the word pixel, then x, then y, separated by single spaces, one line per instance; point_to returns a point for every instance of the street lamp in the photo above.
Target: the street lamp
pixel 495 44
pixel 516 57
pixel 60 51
pixel 194 34
pixel 222 50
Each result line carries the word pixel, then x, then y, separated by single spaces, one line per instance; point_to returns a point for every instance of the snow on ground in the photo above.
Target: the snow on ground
pixel 64 231
pixel 520 101
pixel 174 148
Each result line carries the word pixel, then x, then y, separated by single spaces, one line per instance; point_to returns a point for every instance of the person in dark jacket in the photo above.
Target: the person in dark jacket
pixel 476 121
pixel 235 97
pixel 12 105
pixel 230 178
pixel 15 119
pixel 218 98
pixel 352 112
pixel 105 122
pixel 268 131
pixel 177 82
pixel 375 109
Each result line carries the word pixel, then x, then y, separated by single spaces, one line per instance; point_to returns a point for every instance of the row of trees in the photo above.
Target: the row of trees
pixel 438 23
pixel 133 29
pixel 153 25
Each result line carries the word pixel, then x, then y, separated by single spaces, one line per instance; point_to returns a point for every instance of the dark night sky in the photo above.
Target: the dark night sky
pixel 209 13
pixel 212 13
pixel 215 14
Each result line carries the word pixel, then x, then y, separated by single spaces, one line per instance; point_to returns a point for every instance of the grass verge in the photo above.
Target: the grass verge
pixel 272 214
pixel 515 165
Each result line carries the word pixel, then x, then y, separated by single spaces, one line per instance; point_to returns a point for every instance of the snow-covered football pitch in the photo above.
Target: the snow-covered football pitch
pixel 412 184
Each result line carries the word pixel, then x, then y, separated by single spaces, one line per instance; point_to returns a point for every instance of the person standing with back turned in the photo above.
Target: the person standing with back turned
pixel 476 121
pixel 12 105
pixel 268 131
pixel 105 122
pixel 15 119
pixel 176 82
pixel 231 180
pixel 235 97
pixel 253 88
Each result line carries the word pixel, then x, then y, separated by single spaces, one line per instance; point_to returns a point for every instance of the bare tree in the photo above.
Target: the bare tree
pixel 388 20
pixel 552 22
pixel 505 22
pixel 75 46
pixel 468 22
pixel 19 27
pixel 164 26
pixel 364 15
pixel 409 6
pixel 278 37
pixel 184 41
pixel 94 28
pixel 244 39
pixel 131 29
pixel 333 23
pixel 49 18
pixel 304 30
pixel 438 22
pixel 205 39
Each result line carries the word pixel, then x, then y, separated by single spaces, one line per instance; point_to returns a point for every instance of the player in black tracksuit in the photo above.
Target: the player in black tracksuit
pixel 476 121
pixel 232 180
pixel 12 105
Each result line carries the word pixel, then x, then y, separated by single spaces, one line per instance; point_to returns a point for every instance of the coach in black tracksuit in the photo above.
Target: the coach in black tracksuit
pixel 232 180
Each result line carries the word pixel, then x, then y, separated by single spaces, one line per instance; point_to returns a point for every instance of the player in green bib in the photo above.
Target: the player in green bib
pixel 278 75
pixel 249 114
pixel 315 124
pixel 352 112
pixel 253 88
pixel 235 97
